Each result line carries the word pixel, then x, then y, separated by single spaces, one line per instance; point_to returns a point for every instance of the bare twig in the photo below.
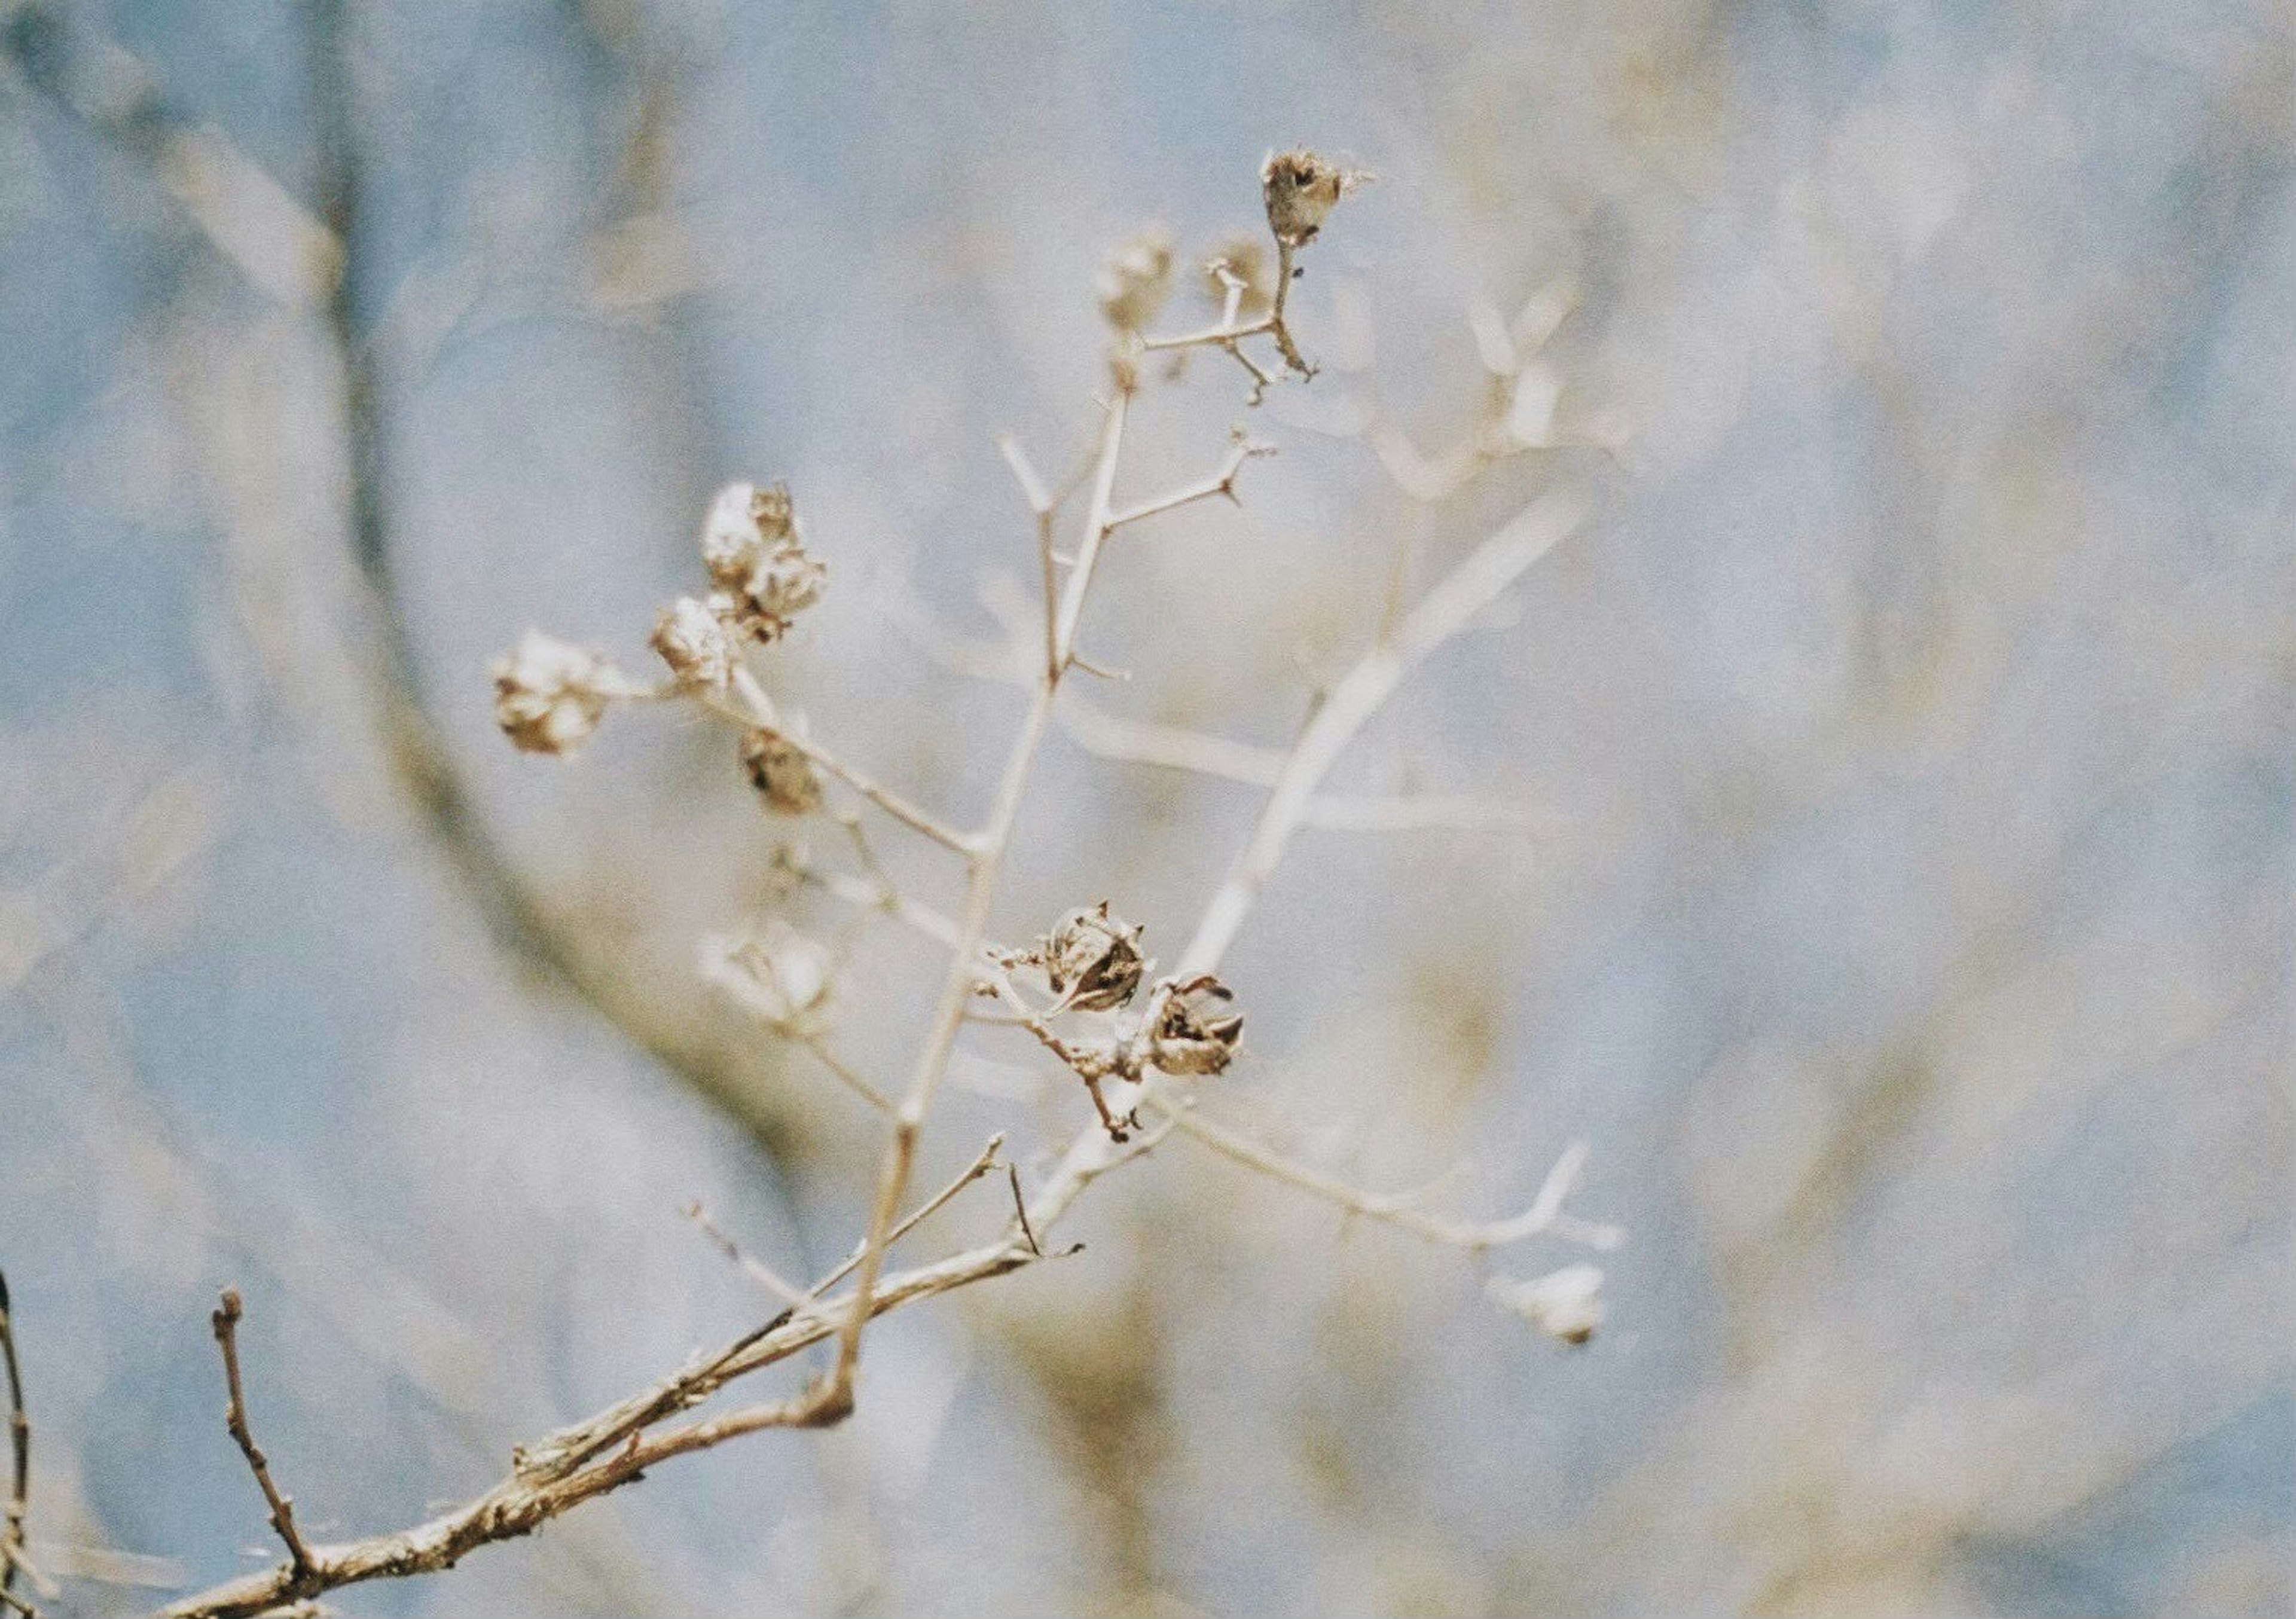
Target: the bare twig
pixel 1221 482
pixel 815 1042
pixel 615 1446
pixel 1021 1209
pixel 1478 580
pixel 20 1457
pixel 989 850
pixel 282 1508
pixel 756 708
pixel 1162 747
pixel 1545 1215
pixel 757 1270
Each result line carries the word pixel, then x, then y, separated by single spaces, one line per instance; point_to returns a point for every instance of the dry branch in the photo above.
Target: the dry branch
pixel 615 1445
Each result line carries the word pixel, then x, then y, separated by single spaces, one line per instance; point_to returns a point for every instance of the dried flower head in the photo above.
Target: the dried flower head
pixel 1193 1026
pixel 782 974
pixel 1092 960
pixel 751 544
pixel 1135 280
pixel 783 585
pixel 550 695
pixel 744 522
pixel 1244 263
pixel 1566 1305
pixel 781 772
pixel 694 642
pixel 1300 190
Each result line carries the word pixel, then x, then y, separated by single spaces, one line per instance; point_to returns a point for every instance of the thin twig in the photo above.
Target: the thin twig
pixel 1445 611
pixel 1220 482
pixel 282 1508
pixel 20 1457
pixel 989 849
pixel 757 1270
pixel 1021 1209
pixel 1544 1216
pixel 1042 506
pixel 756 708
pixel 814 1041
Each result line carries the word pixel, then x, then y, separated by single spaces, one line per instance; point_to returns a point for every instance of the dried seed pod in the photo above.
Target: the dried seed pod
pixel 1566 1305
pixel 1300 190
pixel 550 695
pixel 751 544
pixel 1135 280
pixel 781 772
pixel 1192 1027
pixel 1092 960
pixel 743 524
pixel 693 642
pixel 782 585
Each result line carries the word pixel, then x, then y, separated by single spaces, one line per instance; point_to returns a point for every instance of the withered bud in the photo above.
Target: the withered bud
pixel 694 642
pixel 781 772
pixel 1301 189
pixel 550 695
pixel 1193 1026
pixel 1244 262
pixel 1092 960
pixel 1566 1305
pixel 1135 280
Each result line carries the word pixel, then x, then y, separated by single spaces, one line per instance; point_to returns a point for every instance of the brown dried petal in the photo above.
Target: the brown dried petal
pixel 781 772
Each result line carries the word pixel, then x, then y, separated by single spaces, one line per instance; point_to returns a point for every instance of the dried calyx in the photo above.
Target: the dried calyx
pixel 550 695
pixel 1300 190
pixel 764 575
pixel 1092 960
pixel 1192 1026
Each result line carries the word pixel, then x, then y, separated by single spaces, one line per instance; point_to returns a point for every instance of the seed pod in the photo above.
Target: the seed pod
pixel 693 642
pixel 744 522
pixel 1192 1027
pixel 550 695
pixel 1300 190
pixel 785 582
pixel 1092 960
pixel 756 557
pixel 781 772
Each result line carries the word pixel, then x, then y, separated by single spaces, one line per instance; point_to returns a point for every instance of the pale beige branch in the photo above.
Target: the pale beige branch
pixel 1544 1217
